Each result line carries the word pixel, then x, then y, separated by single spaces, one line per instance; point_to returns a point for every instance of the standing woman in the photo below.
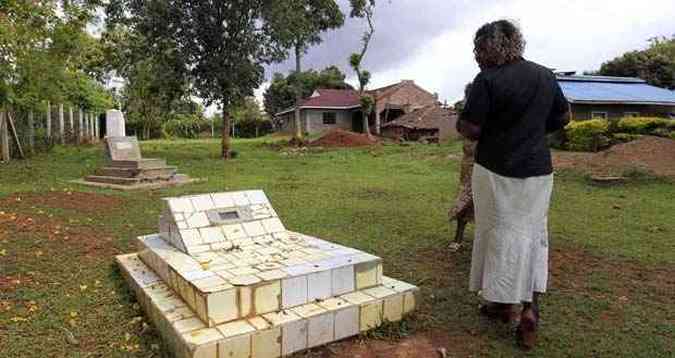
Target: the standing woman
pixel 513 104
pixel 462 212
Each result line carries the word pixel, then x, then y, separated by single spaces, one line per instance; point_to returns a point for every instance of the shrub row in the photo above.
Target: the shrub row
pixel 596 134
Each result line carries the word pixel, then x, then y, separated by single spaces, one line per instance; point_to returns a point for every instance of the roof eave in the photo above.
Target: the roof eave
pixel 649 103
pixel 318 107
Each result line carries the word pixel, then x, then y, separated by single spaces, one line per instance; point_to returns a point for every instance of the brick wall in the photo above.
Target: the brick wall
pixel 407 95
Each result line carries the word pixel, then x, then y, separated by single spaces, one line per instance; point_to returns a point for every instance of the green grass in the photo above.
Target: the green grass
pixel 612 261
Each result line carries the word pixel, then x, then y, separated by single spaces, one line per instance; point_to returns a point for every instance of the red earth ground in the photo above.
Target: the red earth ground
pixel 654 155
pixel 343 138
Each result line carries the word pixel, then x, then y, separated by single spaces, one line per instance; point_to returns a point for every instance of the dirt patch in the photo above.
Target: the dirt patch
pixel 577 271
pixel 421 345
pixel 342 138
pixel 86 203
pixel 78 239
pixel 655 155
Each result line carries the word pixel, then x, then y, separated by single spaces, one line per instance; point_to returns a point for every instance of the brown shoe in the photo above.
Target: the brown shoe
pixel 526 334
pixel 499 311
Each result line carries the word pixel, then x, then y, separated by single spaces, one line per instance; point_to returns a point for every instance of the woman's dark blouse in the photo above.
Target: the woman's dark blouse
pixel 515 106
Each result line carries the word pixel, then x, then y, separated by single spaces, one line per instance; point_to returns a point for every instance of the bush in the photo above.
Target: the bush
pixel 672 135
pixel 642 125
pixel 591 135
pixel 184 126
pixel 624 137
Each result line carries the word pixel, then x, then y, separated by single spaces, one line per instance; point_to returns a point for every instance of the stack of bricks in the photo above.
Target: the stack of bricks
pixel 224 278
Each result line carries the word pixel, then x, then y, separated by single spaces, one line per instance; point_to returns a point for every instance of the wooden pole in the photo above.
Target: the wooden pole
pixel 71 123
pixel 49 120
pixel 4 139
pixel 96 128
pixel 80 126
pixel 31 131
pixel 12 127
pixel 91 127
pixel 62 127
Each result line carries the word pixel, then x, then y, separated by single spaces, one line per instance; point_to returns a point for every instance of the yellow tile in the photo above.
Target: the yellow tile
pixel 266 344
pixel 267 297
pixel 222 306
pixel 200 307
pixel 309 310
pixel 245 294
pixel 334 304
pixel 379 292
pixel 235 347
pixel 179 314
pixel 235 328
pixel 366 275
pixel 409 302
pixel 189 324
pixel 357 298
pixel 393 308
pixel 259 323
pixel 371 316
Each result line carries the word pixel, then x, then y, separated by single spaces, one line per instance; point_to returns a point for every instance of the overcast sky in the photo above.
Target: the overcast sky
pixel 430 41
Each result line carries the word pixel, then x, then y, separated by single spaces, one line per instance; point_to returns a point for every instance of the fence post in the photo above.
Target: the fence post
pixel 71 123
pixel 91 127
pixel 96 124
pixel 49 120
pixel 31 131
pixel 62 127
pixel 80 127
pixel 4 138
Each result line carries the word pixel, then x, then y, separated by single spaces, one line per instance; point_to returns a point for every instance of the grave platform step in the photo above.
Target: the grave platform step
pixel 145 163
pixel 246 276
pixel 125 181
pixel 121 172
pixel 275 334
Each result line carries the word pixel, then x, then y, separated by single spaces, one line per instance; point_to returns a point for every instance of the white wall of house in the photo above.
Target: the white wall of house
pixel 313 121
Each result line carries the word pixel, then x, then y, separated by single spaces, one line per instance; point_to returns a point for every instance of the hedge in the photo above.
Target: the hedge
pixel 589 135
pixel 643 125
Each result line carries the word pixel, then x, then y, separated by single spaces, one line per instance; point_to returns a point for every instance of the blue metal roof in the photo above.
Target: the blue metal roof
pixel 603 89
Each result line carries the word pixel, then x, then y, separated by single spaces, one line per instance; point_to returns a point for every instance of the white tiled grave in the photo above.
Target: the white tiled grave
pixel 243 285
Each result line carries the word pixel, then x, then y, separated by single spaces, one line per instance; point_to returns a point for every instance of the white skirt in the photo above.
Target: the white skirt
pixel 510 250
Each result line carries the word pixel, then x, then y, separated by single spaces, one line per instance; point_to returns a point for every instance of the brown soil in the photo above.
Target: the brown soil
pixel 76 238
pixel 86 203
pixel 421 345
pixel 343 138
pixel 655 155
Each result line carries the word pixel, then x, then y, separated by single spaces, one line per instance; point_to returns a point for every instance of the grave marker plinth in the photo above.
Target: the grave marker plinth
pixel 225 278
pixel 125 167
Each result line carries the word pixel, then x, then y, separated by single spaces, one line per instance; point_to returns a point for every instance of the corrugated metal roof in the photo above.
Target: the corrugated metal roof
pixel 602 89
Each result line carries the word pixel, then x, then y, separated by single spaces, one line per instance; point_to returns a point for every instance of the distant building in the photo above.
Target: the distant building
pixel 329 108
pixel 615 97
pixel 432 122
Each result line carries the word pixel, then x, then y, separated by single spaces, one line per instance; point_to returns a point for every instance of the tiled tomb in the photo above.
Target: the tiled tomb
pixel 125 168
pixel 224 278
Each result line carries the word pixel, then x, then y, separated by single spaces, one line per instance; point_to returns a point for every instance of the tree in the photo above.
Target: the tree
pixel 281 93
pixel 298 25
pixel 656 64
pixel 248 117
pixel 363 9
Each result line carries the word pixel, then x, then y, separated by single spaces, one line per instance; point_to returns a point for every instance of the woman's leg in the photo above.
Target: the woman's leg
pixel 527 331
pixel 459 234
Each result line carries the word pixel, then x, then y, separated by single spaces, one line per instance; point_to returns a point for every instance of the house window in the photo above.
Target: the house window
pixel 631 114
pixel 598 115
pixel 329 118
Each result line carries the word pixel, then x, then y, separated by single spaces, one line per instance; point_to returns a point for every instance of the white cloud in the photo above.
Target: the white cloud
pixel 570 35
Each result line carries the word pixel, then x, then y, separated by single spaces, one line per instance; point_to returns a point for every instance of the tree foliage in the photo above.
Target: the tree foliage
pixel 363 9
pixel 656 64
pixel 298 25
pixel 46 54
pixel 280 95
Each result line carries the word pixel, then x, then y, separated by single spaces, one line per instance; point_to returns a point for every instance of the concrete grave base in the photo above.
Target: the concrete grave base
pixel 177 180
pixel 225 278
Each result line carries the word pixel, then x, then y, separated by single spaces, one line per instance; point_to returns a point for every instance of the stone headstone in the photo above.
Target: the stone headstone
pixel 122 148
pixel 114 121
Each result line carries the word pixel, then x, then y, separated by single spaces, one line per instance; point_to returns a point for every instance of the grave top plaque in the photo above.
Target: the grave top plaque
pixel 122 148
pixel 200 223
pixel 114 121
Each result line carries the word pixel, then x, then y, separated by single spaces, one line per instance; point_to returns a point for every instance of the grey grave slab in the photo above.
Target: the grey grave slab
pixel 122 149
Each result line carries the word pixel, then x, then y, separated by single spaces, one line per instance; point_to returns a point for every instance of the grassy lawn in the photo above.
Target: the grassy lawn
pixel 612 260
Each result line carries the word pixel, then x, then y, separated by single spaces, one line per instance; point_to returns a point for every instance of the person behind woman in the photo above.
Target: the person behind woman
pixel 513 104
pixel 462 212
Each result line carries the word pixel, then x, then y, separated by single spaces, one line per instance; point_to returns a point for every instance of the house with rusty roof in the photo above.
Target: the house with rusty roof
pixel 433 123
pixel 615 97
pixel 328 109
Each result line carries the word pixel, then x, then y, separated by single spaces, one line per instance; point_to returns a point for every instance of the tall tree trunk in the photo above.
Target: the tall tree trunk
pixel 5 155
pixel 298 92
pixel 49 120
pixel 31 131
pixel 225 143
pixel 62 126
